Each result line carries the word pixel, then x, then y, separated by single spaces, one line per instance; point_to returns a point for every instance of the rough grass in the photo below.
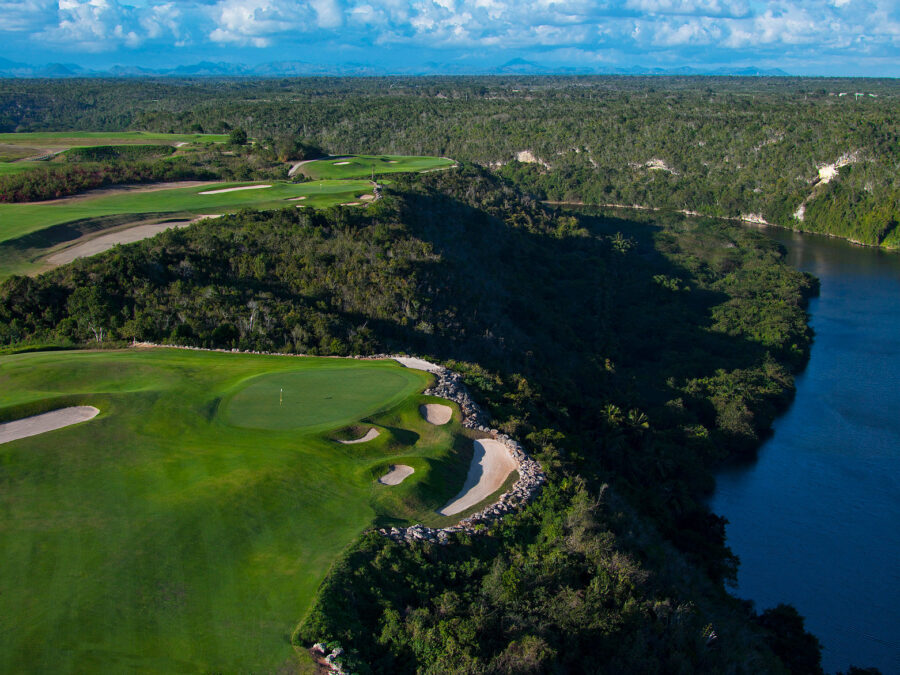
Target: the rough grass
pixel 360 166
pixel 159 537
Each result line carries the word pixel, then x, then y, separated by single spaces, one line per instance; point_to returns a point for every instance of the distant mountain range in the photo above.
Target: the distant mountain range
pixel 299 68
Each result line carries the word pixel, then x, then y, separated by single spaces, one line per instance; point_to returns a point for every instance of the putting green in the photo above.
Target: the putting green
pixel 319 399
pixel 361 166
pixel 157 538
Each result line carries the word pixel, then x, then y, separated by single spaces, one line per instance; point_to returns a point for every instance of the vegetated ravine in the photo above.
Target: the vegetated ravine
pixel 631 358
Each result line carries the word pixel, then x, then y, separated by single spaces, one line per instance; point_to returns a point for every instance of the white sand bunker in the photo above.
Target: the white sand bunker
pixel 340 163
pixel 435 413
pixel 367 198
pixel 417 364
pixel 51 421
pixel 490 467
pixel 234 189
pixel 397 474
pixel 297 199
pixel 370 434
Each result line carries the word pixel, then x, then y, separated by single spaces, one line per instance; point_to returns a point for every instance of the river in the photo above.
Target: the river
pixel 815 519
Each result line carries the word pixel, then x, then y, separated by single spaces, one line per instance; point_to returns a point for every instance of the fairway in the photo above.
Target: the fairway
pixel 361 166
pixel 163 537
pixel 17 220
pixel 71 139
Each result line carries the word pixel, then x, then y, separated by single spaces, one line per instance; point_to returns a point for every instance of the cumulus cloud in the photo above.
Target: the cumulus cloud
pixel 93 25
pixel 732 29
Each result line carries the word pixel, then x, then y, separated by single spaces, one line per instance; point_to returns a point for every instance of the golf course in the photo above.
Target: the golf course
pixel 32 233
pixel 363 166
pixel 187 525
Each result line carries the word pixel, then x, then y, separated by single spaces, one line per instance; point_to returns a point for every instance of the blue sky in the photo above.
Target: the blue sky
pixel 815 37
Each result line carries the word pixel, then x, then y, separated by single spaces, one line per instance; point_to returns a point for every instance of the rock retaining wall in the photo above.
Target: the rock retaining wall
pixel 449 385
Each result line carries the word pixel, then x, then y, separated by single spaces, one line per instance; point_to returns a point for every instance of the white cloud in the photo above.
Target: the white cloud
pixel 27 15
pixel 727 29
pixel 93 25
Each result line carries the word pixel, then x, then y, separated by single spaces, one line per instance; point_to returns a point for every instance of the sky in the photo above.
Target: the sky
pixel 802 37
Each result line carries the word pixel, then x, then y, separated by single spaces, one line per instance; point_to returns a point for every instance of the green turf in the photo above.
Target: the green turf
pixel 360 166
pixel 160 537
pixel 63 139
pixel 320 399
pixel 17 220
pixel 7 168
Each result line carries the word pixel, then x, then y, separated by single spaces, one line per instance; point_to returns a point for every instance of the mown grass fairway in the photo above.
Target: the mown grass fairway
pixel 160 537
pixel 361 166
pixel 17 220
pixel 69 139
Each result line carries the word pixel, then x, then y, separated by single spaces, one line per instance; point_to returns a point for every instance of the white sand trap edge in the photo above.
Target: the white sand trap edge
pixel 234 189
pixel 435 413
pixel 397 474
pixel 490 467
pixel 370 434
pixel 51 421
pixel 340 163
pixel 297 199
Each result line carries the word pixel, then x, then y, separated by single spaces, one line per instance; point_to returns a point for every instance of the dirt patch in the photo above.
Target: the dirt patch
pixel 51 421
pixel 490 467
pixel 397 474
pixel 370 435
pixel 234 189
pixel 435 413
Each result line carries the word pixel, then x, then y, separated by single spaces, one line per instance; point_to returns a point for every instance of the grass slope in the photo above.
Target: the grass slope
pixel 360 166
pixel 17 220
pixel 159 537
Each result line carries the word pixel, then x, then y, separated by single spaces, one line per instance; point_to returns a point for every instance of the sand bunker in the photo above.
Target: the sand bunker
pixel 417 364
pixel 129 236
pixel 435 413
pixel 490 467
pixel 234 189
pixel 367 198
pixel 297 199
pixel 397 474
pixel 340 163
pixel 39 424
pixel 370 434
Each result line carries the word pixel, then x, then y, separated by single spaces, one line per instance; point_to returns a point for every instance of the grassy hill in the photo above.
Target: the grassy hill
pixel 187 527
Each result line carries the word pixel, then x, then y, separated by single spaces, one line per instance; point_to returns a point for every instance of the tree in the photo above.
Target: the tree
pixel 89 306
pixel 237 137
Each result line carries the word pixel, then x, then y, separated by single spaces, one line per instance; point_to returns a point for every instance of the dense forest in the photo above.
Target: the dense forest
pixel 732 147
pixel 632 358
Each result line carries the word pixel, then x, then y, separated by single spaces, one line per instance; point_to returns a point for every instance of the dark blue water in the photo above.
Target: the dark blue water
pixel 816 519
